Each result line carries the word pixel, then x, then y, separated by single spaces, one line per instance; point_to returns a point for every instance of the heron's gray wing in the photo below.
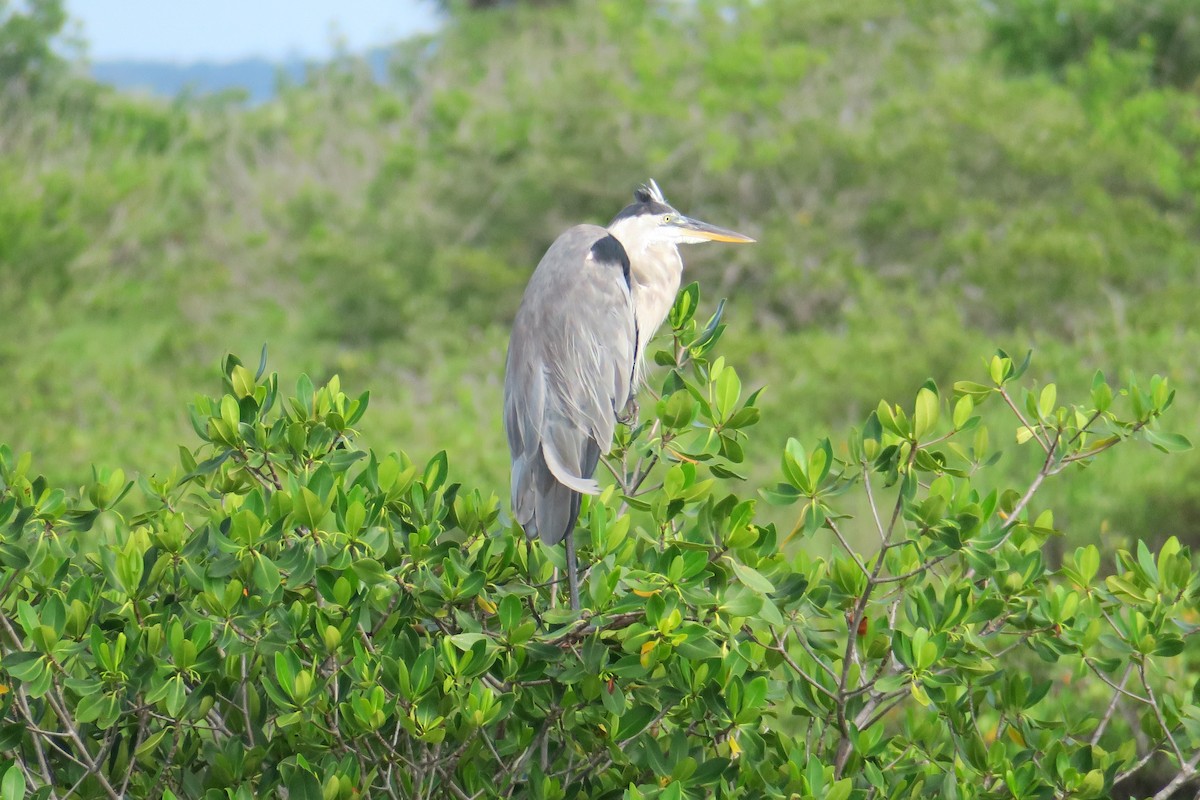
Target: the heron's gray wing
pixel 570 362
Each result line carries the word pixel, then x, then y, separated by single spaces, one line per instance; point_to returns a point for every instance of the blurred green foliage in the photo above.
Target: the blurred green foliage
pixel 27 38
pixel 917 200
pixel 1053 34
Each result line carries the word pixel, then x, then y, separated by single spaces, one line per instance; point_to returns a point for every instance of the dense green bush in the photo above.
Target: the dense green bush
pixel 288 612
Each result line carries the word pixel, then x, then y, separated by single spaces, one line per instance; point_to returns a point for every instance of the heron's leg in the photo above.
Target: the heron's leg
pixel 572 569
pixel 629 414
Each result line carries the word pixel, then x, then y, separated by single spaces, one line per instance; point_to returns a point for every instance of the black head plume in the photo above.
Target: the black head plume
pixel 649 193
pixel 647 199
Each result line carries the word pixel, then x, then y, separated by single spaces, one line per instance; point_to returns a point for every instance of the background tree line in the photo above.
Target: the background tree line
pixel 927 181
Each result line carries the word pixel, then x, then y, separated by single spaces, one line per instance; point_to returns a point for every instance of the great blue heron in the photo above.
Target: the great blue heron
pixel 574 360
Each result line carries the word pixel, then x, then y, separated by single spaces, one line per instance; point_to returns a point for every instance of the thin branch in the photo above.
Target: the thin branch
pixel 852 622
pixel 620 479
pixel 1186 771
pixel 888 701
pixel 1112 706
pixel 866 473
pixel 813 655
pixel 1032 430
pixel 1084 428
pixel 53 697
pixel 1153 701
pixel 913 572
pixel 780 647
pixel 37 743
pixel 837 531
pixel 137 739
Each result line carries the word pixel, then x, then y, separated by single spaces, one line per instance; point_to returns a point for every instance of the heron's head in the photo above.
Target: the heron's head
pixel 650 220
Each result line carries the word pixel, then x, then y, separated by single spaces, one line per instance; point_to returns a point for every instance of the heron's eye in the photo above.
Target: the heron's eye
pixel 668 219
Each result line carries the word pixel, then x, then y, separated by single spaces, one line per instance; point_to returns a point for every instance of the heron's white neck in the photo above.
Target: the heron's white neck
pixel 655 273
pixel 655 270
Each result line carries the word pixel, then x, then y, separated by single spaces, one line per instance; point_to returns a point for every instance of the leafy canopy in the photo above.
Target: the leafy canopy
pixel 286 611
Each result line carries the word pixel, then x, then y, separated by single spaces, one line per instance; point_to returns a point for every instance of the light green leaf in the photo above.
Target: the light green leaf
pixel 729 390
pixel 1047 399
pixel 751 578
pixel 925 414
pixel 13 785
pixel 242 380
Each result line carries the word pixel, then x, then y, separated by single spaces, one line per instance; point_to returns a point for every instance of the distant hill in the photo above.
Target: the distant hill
pixel 258 77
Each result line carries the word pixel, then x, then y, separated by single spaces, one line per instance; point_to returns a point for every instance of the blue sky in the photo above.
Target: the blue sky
pixel 223 30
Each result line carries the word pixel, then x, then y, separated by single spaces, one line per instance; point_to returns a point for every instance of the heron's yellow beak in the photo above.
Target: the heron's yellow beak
pixel 703 230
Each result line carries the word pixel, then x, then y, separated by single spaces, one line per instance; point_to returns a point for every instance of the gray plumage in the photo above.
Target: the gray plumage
pixel 563 385
pixel 574 358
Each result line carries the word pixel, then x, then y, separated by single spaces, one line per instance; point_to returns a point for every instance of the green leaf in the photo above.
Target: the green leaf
pixel 728 391
pixel 925 414
pixel 698 647
pixel 1167 442
pixel 242 381
pixel 285 672
pixel 678 410
pixel 963 409
pixel 510 612
pixel 634 721
pixel 751 578
pixel 1102 394
pixel 1087 561
pixel 148 745
pixel 12 787
pixel 28 618
pixel 978 392
pixel 436 471
pixel 304 394
pixel 25 667
pixel 266 574
pixel 710 771
pixel 303 785
pixel 1168 646
pixel 230 413
pixel 795 466
pixel 672 791
pixel 886 416
pixel 685 305
pixel 1047 399
pixel 742 603
pixel 819 463
pixel 840 790
pixel 370 571
pixel 310 509
pixel 465 641
pixel 423 670
pixel 711 333
pixel 176 695
pixel 614 700
pixel 782 495
pixel 358 409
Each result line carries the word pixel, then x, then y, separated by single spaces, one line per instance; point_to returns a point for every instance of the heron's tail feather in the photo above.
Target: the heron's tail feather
pixel 571 454
pixel 545 508
pixel 546 493
pixel 565 475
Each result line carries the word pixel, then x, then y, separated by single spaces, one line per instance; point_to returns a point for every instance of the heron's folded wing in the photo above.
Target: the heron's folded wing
pixel 592 339
pixel 570 363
